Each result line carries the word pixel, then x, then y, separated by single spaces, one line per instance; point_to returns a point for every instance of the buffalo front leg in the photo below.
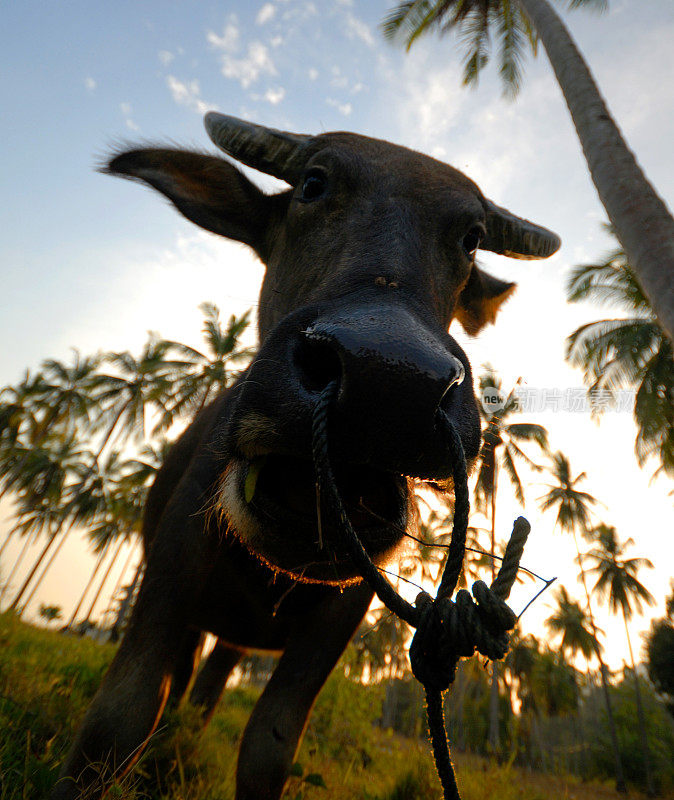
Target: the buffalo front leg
pixel 277 723
pixel 129 703
pixel 122 715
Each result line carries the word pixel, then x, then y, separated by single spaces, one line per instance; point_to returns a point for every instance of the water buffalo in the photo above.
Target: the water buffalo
pixel 370 255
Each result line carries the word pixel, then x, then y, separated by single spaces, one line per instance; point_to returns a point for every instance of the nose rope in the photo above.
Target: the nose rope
pixel 446 629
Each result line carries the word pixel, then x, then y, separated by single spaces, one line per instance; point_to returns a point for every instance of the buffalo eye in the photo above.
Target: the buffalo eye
pixel 472 240
pixel 314 186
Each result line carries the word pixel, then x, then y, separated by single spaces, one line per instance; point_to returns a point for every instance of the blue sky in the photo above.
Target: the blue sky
pixel 92 262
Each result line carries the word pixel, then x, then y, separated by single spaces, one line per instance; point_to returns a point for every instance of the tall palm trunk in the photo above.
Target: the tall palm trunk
pixel 118 582
pixel 621 786
pixel 125 605
pixel 42 575
pixel 8 581
pixel 109 432
pixel 641 219
pixel 92 577
pixel 494 739
pixel 15 603
pixel 97 594
pixel 650 788
pixel 8 539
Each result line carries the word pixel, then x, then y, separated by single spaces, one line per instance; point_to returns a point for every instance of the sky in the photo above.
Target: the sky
pixel 95 263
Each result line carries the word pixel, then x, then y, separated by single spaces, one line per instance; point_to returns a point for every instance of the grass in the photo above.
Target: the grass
pixel 47 680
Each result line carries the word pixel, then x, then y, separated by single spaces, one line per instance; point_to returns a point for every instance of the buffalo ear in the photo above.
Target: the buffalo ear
pixel 480 300
pixel 209 191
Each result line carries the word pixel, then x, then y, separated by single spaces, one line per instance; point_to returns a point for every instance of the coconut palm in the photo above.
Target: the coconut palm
pixel 572 623
pixel 641 220
pixel 617 583
pixel 139 386
pixel 573 508
pixel 19 426
pixel 205 373
pixel 65 397
pixel 40 495
pixel 628 352
pixel 501 447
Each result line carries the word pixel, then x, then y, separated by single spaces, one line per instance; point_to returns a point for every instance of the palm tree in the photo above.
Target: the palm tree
pixel 618 583
pixel 204 373
pixel 573 515
pixel 65 398
pixel 40 489
pixel 501 447
pixel 641 219
pixel 631 352
pixel 572 623
pixel 140 385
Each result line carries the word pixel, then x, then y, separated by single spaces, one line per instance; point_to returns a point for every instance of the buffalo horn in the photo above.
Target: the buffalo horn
pixel 270 151
pixel 516 237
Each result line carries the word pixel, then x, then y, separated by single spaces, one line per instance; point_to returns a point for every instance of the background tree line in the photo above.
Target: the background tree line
pixel 80 443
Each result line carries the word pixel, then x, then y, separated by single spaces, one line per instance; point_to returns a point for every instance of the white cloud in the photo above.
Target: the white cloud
pixel 248 69
pixel 276 41
pixel 343 108
pixel 274 96
pixel 357 29
pixel 165 57
pixel 265 13
pixel 313 74
pixel 90 84
pixel 229 41
pixel 126 110
pixel 188 94
pixel 338 81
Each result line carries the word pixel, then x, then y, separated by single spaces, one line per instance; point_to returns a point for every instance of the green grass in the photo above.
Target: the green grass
pixel 47 680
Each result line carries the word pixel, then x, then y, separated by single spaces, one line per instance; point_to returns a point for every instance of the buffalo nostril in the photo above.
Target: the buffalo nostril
pixel 317 363
pixel 454 378
pixel 459 375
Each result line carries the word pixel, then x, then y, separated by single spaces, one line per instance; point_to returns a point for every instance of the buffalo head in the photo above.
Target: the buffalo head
pixel 370 255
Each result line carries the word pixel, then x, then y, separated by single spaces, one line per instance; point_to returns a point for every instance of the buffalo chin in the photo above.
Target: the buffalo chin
pixel 271 506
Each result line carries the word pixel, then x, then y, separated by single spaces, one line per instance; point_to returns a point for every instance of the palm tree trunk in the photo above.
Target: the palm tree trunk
pixel 15 603
pixel 650 788
pixel 8 539
pixel 582 741
pixel 118 582
pixel 73 616
pixel 104 579
pixel 493 689
pixel 620 784
pixel 42 575
pixel 110 430
pixel 639 216
pixel 116 629
pixel 8 582
pixel 205 397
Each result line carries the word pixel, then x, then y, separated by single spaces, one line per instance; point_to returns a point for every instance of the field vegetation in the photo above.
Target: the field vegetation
pixel 47 679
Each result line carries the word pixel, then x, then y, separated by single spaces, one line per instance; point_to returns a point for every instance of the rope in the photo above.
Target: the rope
pixel 446 629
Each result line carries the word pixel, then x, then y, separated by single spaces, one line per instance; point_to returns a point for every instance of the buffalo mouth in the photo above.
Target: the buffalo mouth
pixel 280 516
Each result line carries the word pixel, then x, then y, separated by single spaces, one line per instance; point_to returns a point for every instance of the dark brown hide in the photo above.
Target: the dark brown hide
pixel 369 255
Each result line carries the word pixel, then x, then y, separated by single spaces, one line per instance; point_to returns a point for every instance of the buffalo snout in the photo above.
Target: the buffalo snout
pixel 393 374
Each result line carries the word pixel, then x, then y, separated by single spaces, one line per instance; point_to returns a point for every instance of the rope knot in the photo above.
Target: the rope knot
pixel 448 630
